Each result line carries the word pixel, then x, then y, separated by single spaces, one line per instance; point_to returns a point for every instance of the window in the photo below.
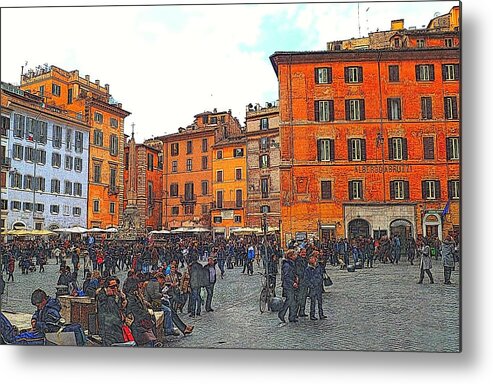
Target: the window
pixel 238 173
pixel 39 207
pixel 205 187
pixel 355 109
pixel 420 43
pixel 15 205
pixel 113 181
pixel 353 74
pixel 55 89
pixel 160 161
pixel 98 117
pixel 189 192
pixel 219 199
pixel 189 209
pixel 69 162
pixel 113 145
pixel 325 149
pixel 356 149
pixel 17 151
pixel 428 148
pixel 79 139
pixel 397 42
pixel 219 176
pixel 39 183
pixel 68 140
pixel 204 162
pixel 264 209
pixel 394 109
pixel 3 179
pixel 205 145
pixel 214 120
pixel 326 189
pixel 218 219
pixel 95 206
pixel 426 108
pixel 28 207
pixel 398 148
pixel 31 125
pixel 112 208
pixel 5 126
pixel 189 147
pixel 449 43
pixel 150 162
pixel 393 73
pixel 237 219
pixel 264 123
pixel 97 173
pixel 323 75
pixel 453 189
pixel 430 189
pixel 175 211
pixel 57 136
pixel 16 180
pixel 28 182
pixel 173 190
pixel 264 143
pixel 205 119
pixel 42 90
pixel 450 72
pixel 174 166
pixel 189 165
pixel 55 186
pixel 19 125
pixel 76 211
pixel 453 150
pixel 238 152
pixel 219 154
pixel 355 190
pixel 54 209
pixel 205 209
pixel 40 156
pixel 264 161
pixel 113 122
pixel 42 134
pixel 324 110
pixel 450 104
pixel 264 187
pixel 239 198
pixel 70 96
pixel 175 149
pixel 425 72
pixel 78 164
pixel 68 187
pixel 78 189
pixel 399 190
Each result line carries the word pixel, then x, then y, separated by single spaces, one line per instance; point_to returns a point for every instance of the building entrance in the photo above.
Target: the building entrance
pixel 357 228
pixel 403 229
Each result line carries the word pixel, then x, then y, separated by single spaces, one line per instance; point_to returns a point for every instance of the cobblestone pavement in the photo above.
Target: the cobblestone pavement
pixel 377 309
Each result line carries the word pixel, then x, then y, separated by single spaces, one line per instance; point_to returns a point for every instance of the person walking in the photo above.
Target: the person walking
pixel 300 265
pixel 289 287
pixel 11 268
pixel 195 285
pixel 314 281
pixel 425 262
pixel 209 281
pixel 448 249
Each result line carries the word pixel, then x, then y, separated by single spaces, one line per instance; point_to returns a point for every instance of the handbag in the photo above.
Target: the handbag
pixel 327 280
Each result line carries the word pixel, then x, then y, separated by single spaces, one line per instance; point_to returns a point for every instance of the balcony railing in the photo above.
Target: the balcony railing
pixel 188 199
pixel 228 204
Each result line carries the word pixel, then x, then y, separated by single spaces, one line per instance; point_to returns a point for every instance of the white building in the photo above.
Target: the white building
pixel 48 175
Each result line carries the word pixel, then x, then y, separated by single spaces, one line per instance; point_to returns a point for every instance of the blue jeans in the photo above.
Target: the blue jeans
pixel 208 301
pixel 168 321
pixel 195 301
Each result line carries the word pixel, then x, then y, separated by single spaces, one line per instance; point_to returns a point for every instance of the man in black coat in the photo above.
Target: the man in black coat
pixel 289 287
pixel 110 303
pixel 300 264
pixel 209 282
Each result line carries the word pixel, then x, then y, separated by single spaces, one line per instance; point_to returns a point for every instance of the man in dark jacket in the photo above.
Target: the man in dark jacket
pixel 300 265
pixel 196 273
pixel 314 282
pixel 209 282
pixel 110 303
pixel 289 287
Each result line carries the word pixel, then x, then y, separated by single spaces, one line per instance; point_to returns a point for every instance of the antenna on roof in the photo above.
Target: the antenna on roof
pixel 359 25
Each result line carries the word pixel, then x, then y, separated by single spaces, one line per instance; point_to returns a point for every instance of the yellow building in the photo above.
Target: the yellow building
pixel 229 183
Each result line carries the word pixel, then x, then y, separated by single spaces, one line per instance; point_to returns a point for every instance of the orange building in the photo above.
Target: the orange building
pixel 370 142
pixel 229 185
pixel 187 174
pixel 105 116
pixel 143 184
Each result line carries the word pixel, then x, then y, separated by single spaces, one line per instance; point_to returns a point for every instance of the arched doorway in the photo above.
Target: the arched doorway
pixel 403 229
pixel 19 225
pixel 358 227
pixel 432 226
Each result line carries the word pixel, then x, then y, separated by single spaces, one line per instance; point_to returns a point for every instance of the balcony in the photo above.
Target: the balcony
pixel 113 190
pixel 5 162
pixel 188 199
pixel 228 205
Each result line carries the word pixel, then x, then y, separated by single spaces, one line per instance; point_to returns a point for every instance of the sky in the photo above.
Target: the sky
pixel 166 63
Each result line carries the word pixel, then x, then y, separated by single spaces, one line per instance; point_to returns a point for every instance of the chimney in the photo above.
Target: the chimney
pixel 119 105
pixel 396 25
pixel 76 73
pixel 88 77
pixel 107 86
pixel 97 82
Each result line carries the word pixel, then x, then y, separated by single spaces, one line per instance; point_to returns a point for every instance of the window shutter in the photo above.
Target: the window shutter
pixel 319 150
pixel 260 161
pixel 363 149
pixel 389 109
pixel 329 75
pixel 349 151
pixel 417 72
pixel 399 113
pixel 346 74
pixel 444 72
pixel 360 74
pixel 331 110
pixel 449 189
pixel 406 190
pixel 404 148
pixel 454 108
pixel 348 116
pixel 316 76
pixel 445 108
pixel 423 108
pixel 391 150
pixel 449 148
pixel 428 148
pixel 457 71
pixel 423 189
pixel 437 190
pixel 432 72
pixel 350 190
pixel 332 150
pixel 392 190
pixel 317 111
pixel 362 109
pixel 329 189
